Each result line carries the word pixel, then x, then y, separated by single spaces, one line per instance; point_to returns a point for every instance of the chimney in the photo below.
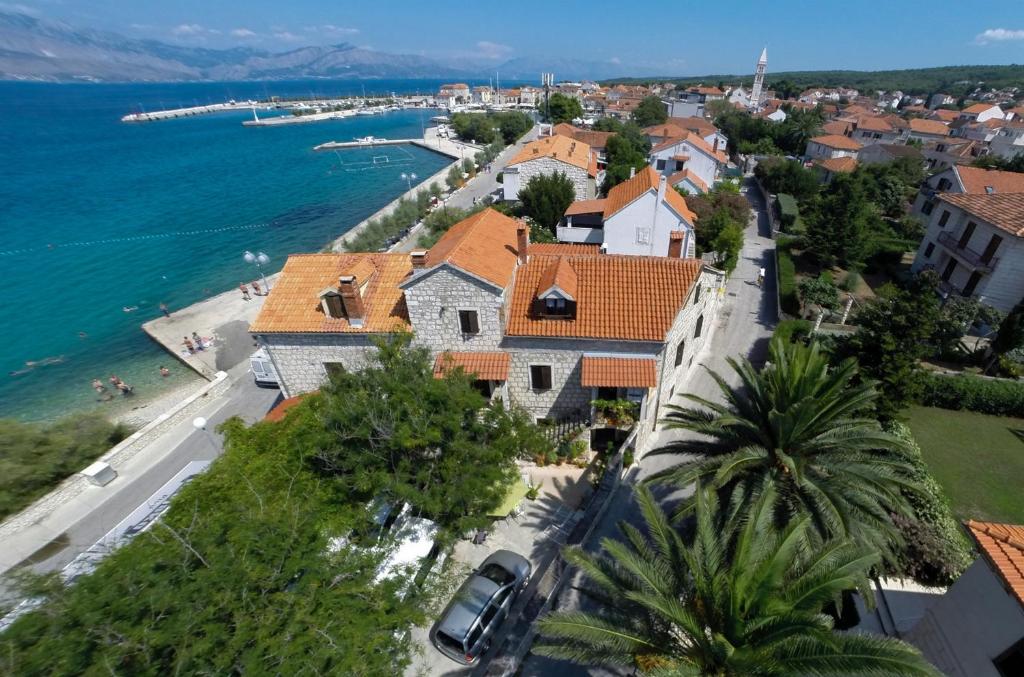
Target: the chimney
pixel 419 259
pixel 352 300
pixel 632 172
pixel 675 244
pixel 523 243
pixel 662 183
pixel 715 147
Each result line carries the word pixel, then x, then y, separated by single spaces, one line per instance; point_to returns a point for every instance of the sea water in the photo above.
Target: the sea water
pixel 99 216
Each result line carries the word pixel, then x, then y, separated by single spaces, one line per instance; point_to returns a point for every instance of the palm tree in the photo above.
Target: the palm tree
pixel 797 427
pixel 741 599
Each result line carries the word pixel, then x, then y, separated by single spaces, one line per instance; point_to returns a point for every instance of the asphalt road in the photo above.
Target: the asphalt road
pixel 745 324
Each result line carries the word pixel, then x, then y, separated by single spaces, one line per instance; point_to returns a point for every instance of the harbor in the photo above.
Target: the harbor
pixel 300 110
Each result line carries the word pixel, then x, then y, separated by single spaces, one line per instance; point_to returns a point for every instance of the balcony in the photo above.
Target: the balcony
pixel 581 235
pixel 972 258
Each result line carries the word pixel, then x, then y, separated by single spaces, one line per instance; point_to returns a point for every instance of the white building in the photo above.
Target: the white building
pixel 981 112
pixel 643 216
pixel 686 157
pixel 1008 142
pixel 976 629
pixel 832 146
pixel 454 94
pixel 549 155
pixel 976 245
pixel 547 328
pixel 964 179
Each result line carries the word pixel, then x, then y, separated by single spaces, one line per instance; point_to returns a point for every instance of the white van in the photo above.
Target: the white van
pixel 263 371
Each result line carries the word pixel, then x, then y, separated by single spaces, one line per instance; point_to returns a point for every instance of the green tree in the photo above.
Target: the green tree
pixel 545 198
pixel 779 175
pixel 728 244
pixel 739 599
pixel 512 125
pixel 820 291
pixel 562 108
pixel 837 229
pixel 796 428
pixel 1010 335
pixel 651 111
pixel 454 178
pixel 607 124
pixel 626 153
pixel 475 127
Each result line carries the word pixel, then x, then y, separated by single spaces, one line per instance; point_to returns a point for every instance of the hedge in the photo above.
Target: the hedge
pixel 789 213
pixel 986 396
pixel 936 550
pixel 788 298
pixel 792 330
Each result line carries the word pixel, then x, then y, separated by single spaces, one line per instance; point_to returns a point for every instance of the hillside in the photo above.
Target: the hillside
pixel 955 80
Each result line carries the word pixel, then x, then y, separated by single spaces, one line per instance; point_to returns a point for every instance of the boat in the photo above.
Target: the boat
pixel 369 140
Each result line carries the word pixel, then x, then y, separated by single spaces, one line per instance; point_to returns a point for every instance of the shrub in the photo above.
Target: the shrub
pixel 789 214
pixel 936 550
pixel 788 298
pixel 850 282
pixel 820 291
pixel 792 330
pixel 973 393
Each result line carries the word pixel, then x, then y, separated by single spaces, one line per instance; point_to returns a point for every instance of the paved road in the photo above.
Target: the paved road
pixel 744 328
pixel 479 187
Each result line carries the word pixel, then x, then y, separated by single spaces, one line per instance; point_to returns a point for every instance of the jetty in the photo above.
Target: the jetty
pixel 192 111
pixel 335 145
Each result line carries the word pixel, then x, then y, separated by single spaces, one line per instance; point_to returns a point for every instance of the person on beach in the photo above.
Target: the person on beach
pixel 188 345
pixel 255 287
pixel 245 291
pixel 115 381
pixel 164 310
pixel 98 386
pixel 198 341
pixel 164 371
pixel 125 388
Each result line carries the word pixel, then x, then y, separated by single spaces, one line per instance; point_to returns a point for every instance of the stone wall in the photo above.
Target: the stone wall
pixel 548 166
pixel 434 302
pixel 299 358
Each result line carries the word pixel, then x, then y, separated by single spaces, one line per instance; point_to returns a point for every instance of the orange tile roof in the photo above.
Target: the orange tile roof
pixel 629 298
pixel 978 180
pixel 557 147
pixel 483 244
pixel 1003 210
pixel 646 179
pixel 561 248
pixel 618 372
pixel 837 141
pixel 922 126
pixel 586 207
pixel 1003 546
pixel 694 124
pixel 559 275
pixel 485 366
pixel 588 136
pixel 666 131
pixel 836 127
pixel 282 407
pixel 978 108
pixel 841 165
pixel 873 124
pixel 687 175
pixel 293 304
pixel 945 115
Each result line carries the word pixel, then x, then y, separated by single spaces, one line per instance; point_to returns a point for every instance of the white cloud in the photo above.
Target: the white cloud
pixel 243 33
pixel 287 36
pixel 615 60
pixel 332 30
pixel 492 50
pixel 188 29
pixel 999 35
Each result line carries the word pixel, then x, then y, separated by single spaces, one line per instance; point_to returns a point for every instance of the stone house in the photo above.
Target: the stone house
pixel 976 629
pixel 832 146
pixel 546 327
pixel 453 94
pixel 549 155
pixel 642 216
pixel 975 242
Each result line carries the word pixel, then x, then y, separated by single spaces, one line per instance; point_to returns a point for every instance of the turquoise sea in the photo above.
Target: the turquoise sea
pixel 97 215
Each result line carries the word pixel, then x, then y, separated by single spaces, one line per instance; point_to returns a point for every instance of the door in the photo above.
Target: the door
pixel 966 237
pixel 948 272
pixel 972 283
pixel 990 250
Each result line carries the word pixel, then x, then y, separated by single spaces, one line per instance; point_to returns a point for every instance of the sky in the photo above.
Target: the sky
pixel 675 37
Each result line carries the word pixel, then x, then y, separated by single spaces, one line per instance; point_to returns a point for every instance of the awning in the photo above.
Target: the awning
pixel 484 366
pixel 619 372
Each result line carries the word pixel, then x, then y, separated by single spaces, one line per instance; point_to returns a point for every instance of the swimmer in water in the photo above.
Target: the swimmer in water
pixel 32 364
pixel 130 309
pixel 82 335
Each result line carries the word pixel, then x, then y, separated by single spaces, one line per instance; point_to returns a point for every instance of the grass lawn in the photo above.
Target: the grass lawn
pixel 978 459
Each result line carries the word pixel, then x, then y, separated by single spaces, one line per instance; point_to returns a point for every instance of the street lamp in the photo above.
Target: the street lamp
pixel 199 423
pixel 260 260
pixel 408 178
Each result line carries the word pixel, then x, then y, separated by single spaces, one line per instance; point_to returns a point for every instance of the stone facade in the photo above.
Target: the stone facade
pixel 434 301
pixel 300 358
pixel 516 176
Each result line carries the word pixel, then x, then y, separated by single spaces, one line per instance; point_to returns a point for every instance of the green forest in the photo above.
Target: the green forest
pixel 954 80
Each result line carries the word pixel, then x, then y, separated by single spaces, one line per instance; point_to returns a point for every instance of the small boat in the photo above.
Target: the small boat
pixel 369 140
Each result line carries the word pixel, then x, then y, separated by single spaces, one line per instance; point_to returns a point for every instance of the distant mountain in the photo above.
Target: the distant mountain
pixel 33 49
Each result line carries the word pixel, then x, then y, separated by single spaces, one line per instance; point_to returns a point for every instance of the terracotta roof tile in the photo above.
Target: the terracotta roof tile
pixel 1003 547
pixel 694 124
pixel 485 366
pixel 934 127
pixel 645 180
pixel 293 304
pixel 560 248
pixel 1003 210
pixel 630 298
pixel 687 175
pixel 559 275
pixel 557 147
pixel 666 131
pixel 282 407
pixel 873 123
pixel 586 207
pixel 838 165
pixel 837 141
pixel 978 108
pixel 590 137
pixel 836 128
pixel 944 114
pixel 978 180
pixel 483 244
pixel 618 372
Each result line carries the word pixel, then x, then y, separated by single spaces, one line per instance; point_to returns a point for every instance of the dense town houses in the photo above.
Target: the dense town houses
pixel 685 157
pixel 549 155
pixel 547 327
pixel 641 216
pixel 831 146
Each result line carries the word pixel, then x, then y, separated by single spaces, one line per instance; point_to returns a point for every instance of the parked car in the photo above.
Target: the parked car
pixel 263 371
pixel 480 606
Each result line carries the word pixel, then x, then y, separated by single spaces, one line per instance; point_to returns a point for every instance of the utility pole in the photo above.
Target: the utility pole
pixel 547 79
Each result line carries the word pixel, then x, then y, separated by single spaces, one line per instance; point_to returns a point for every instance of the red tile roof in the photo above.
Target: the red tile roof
pixel 618 372
pixel 979 180
pixel 630 298
pixel 836 128
pixel 293 304
pixel 934 127
pixel 1003 210
pixel 561 248
pixel 586 207
pixel 282 407
pixel 557 147
pixel 483 244
pixel 645 180
pixel 978 108
pixel 945 115
pixel 485 366
pixel 1003 547
pixel 837 141
pixel 559 275
pixel 687 175
pixel 694 124
pixel 838 165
